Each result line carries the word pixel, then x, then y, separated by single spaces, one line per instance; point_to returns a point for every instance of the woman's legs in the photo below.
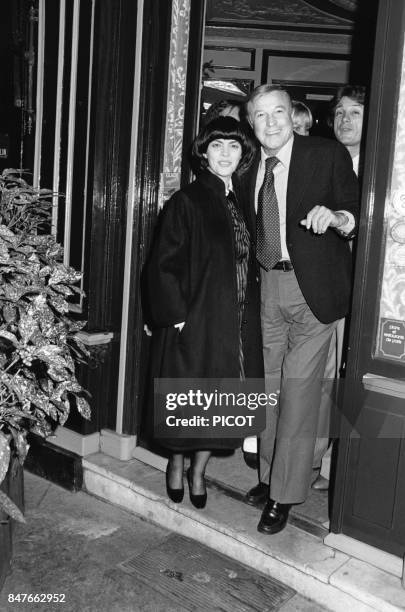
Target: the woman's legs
pixel 197 469
pixel 175 468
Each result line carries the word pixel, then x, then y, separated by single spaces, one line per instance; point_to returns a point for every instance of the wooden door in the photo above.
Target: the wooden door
pixel 369 493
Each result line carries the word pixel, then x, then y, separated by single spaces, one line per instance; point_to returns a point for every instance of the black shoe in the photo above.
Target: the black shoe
pixel 320 483
pixel 176 495
pixel 258 494
pixel 251 460
pixel 200 500
pixel 274 517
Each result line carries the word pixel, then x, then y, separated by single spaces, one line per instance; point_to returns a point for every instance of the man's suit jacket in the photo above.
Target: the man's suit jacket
pixel 321 173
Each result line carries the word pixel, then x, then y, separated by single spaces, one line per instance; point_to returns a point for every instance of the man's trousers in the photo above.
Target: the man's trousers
pixel 295 349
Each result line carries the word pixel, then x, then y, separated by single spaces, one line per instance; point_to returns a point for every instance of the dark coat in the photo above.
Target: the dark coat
pixel 191 277
pixel 321 172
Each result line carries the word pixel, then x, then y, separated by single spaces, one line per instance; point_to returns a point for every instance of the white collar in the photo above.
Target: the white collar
pixel 229 188
pixel 355 161
pixel 284 154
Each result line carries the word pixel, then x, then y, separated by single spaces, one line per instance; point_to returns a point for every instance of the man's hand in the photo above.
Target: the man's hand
pixel 147 331
pixel 320 218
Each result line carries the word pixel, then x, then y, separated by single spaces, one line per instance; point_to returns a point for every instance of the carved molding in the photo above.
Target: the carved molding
pixel 391 328
pixel 329 5
pixel 340 43
pixel 393 282
pixel 179 37
pixel 267 14
pixel 348 5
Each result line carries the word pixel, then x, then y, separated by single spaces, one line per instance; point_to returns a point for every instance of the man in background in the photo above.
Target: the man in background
pixel 348 111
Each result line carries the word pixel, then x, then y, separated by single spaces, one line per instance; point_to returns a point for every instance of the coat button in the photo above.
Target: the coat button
pixel 244 321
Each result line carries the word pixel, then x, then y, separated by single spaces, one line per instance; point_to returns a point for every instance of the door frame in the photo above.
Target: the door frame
pixel 378 158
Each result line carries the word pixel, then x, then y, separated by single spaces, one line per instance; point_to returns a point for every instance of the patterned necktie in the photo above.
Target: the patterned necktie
pixel 268 245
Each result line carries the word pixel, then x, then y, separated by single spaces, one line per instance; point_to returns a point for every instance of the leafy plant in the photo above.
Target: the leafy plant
pixel 38 336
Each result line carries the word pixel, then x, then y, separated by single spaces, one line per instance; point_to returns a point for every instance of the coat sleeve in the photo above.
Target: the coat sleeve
pixel 345 183
pixel 167 270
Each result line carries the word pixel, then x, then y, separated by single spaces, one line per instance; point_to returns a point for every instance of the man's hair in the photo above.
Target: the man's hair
pixel 301 109
pixel 261 90
pixel 226 128
pixel 355 92
pixel 217 109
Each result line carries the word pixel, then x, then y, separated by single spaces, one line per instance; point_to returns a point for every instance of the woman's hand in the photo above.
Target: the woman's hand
pixel 147 331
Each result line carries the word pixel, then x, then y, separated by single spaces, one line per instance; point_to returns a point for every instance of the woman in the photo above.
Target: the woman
pixel 302 118
pixel 202 289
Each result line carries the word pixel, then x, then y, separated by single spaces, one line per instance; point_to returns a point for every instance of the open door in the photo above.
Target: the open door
pixel 369 496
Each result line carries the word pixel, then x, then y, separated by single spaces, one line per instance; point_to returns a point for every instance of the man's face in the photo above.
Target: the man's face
pixel 270 116
pixel 348 122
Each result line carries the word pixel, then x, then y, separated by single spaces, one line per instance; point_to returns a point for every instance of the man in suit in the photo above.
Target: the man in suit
pixel 348 110
pixel 304 192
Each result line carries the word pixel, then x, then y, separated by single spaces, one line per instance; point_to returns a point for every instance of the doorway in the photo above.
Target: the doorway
pixel 309 53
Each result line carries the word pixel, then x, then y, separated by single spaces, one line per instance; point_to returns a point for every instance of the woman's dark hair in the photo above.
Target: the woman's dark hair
pixel 226 128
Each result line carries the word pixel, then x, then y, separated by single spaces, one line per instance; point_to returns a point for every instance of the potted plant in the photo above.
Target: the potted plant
pixel 38 342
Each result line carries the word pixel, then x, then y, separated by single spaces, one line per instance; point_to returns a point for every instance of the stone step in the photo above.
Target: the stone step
pixel 295 557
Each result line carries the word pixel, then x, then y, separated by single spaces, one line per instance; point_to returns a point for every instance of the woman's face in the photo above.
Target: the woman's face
pixel 223 157
pixel 300 124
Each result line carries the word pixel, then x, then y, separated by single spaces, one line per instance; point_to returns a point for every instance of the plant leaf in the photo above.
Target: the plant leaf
pixel 10 508
pixel 9 336
pixel 4 456
pixel 83 407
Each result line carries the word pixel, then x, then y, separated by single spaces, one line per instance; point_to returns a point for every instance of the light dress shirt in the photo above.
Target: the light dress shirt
pixel 355 161
pixel 280 185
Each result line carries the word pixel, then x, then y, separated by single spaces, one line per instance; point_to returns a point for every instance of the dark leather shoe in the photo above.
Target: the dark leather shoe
pixel 258 494
pixel 274 517
pixel 198 500
pixel 320 483
pixel 176 495
pixel 251 460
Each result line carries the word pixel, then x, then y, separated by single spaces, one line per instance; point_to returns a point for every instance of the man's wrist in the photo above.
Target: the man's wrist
pixel 342 219
pixel 347 223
